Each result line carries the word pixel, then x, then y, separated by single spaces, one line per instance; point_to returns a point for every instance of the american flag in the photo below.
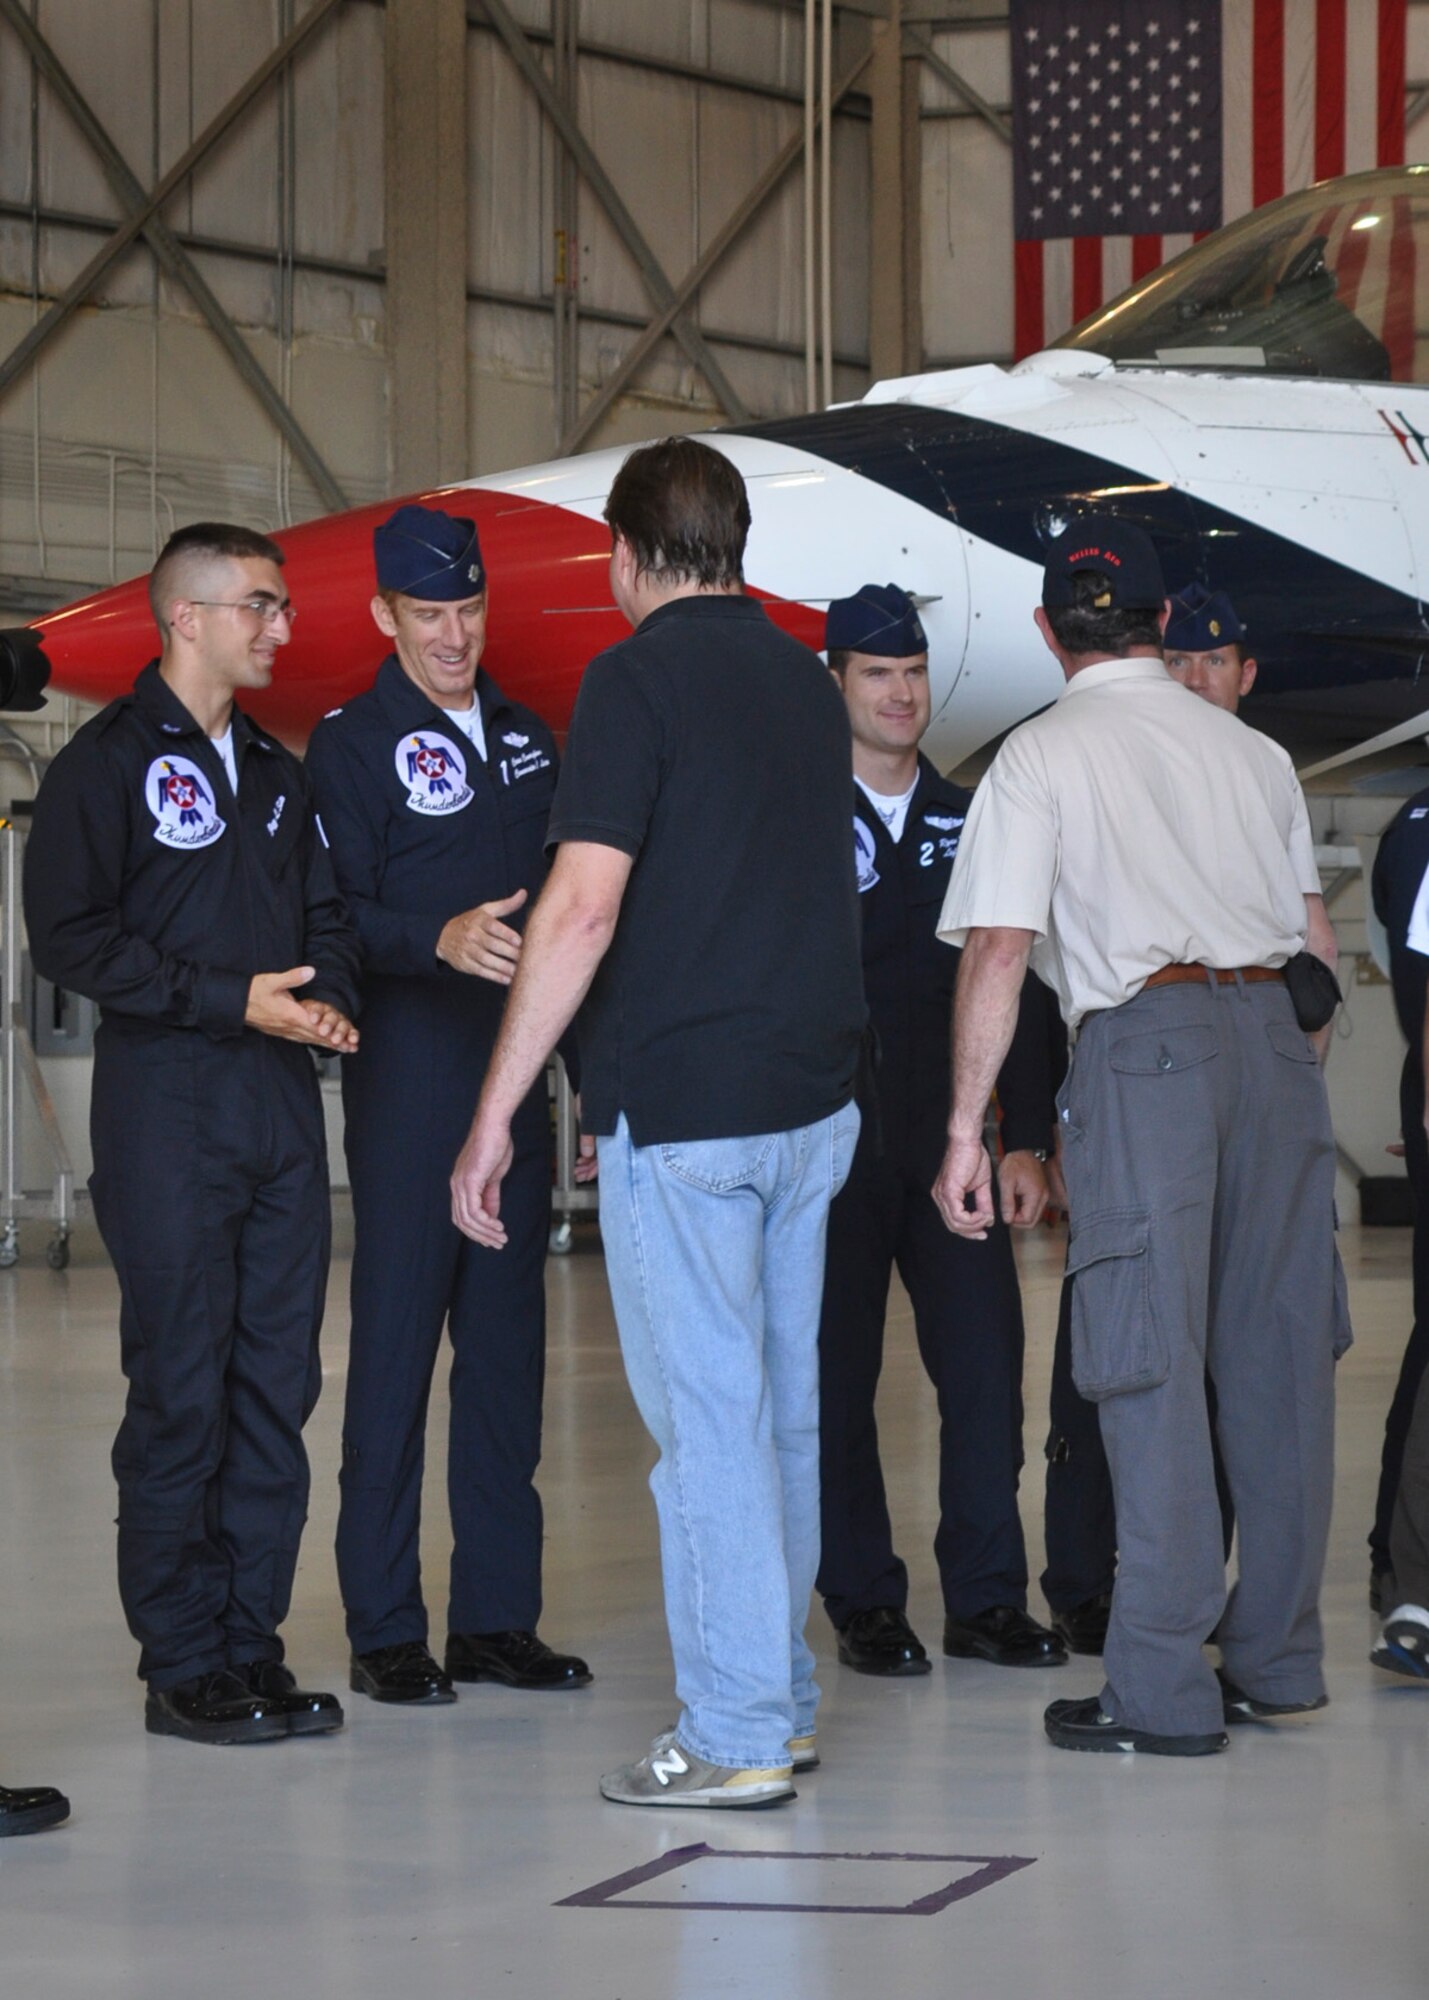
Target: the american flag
pixel 1234 103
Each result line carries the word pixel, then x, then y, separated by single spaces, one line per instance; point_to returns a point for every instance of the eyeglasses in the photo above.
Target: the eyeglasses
pixel 261 607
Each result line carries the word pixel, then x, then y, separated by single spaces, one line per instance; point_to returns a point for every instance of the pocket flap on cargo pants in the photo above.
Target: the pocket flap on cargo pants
pixel 1117 1341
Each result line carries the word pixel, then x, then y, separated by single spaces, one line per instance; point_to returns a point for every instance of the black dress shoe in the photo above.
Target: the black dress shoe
pixel 213 1708
pixel 1004 1635
pixel 519 1659
pixel 28 1808
pixel 1083 1629
pixel 405 1672
pixel 308 1713
pixel 1081 1725
pixel 881 1641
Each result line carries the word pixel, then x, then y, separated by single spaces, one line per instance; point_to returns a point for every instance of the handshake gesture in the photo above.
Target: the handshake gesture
pixel 274 1010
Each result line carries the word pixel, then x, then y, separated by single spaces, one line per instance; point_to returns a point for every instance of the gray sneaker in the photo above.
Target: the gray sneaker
pixel 670 1775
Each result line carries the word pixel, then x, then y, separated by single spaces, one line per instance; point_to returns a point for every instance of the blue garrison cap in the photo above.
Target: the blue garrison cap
pixel 425 553
pixel 880 620
pixel 1120 549
pixel 1201 620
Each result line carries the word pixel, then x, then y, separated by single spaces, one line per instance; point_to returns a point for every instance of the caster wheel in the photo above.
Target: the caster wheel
pixel 57 1253
pixel 9 1249
pixel 561 1235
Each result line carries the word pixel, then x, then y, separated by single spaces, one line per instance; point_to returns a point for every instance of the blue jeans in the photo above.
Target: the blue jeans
pixel 715 1253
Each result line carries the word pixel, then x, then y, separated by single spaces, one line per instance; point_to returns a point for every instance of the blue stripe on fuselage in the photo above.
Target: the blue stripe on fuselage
pixel 1318 629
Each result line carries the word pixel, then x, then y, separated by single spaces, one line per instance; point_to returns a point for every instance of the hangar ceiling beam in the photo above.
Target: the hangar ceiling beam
pixel 565 214
pixel 81 287
pixel 141 217
pixel 652 273
pixel 895 265
pixel 719 246
pixel 681 71
pixel 942 68
pixel 375 273
pixel 426 218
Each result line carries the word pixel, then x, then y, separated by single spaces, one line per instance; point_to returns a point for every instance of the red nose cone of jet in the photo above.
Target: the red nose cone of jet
pixel 551 612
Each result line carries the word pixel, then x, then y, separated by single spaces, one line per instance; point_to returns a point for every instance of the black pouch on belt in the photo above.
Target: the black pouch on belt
pixel 1314 990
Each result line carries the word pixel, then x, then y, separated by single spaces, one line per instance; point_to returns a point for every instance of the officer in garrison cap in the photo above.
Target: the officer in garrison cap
pixel 1205 647
pixel 434 790
pixel 966 1307
pixel 1152 858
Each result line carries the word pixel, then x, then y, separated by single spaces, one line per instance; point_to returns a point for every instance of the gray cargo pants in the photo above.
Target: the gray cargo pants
pixel 1200 1166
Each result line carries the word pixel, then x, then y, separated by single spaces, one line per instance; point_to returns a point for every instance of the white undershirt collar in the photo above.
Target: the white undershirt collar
pixel 893 811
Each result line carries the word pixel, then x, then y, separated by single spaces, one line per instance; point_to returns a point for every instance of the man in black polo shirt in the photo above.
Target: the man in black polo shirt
pixel 703 896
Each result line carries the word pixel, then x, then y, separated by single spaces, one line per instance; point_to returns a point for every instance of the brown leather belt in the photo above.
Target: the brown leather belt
pixel 1183 975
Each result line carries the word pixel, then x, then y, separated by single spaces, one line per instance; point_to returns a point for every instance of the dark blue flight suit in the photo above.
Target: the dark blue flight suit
pixel 967 1308
pixel 1399 869
pixel 416 842
pixel 151 889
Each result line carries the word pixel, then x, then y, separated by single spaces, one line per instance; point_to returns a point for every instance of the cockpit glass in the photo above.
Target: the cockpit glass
pixel 1333 281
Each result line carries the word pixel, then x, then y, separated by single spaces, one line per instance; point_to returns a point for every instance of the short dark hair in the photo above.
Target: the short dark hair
pixel 188 550
pixel 1079 627
pixel 839 657
pixel 684 512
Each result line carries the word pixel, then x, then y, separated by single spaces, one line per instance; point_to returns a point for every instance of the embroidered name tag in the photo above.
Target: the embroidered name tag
pixel 523 765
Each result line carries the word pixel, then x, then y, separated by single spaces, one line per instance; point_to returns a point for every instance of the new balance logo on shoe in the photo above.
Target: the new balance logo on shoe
pixel 671 1776
pixel 669 1764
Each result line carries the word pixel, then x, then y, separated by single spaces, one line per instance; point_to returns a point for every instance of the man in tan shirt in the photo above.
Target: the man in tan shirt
pixel 1204 646
pixel 1153 859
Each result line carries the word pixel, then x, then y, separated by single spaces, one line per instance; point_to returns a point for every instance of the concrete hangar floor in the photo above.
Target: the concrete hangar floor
pixel 943 1848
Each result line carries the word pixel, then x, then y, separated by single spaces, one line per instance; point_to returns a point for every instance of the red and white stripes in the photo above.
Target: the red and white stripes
pixel 1310 89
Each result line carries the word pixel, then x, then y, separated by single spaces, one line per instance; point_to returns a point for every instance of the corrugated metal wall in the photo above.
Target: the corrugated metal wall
pixel 967 206
pixel 683 154
pixel 133 418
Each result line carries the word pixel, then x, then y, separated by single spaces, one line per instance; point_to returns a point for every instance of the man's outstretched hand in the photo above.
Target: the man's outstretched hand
pixel 479 943
pixel 273 1010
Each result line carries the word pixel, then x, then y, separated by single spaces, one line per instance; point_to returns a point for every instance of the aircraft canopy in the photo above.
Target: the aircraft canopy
pixel 1331 282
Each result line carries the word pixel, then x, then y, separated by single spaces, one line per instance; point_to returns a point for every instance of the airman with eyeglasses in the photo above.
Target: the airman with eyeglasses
pixel 175 857
pixel 269 609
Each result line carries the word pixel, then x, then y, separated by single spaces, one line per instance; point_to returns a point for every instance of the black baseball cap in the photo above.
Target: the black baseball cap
pixel 1122 551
